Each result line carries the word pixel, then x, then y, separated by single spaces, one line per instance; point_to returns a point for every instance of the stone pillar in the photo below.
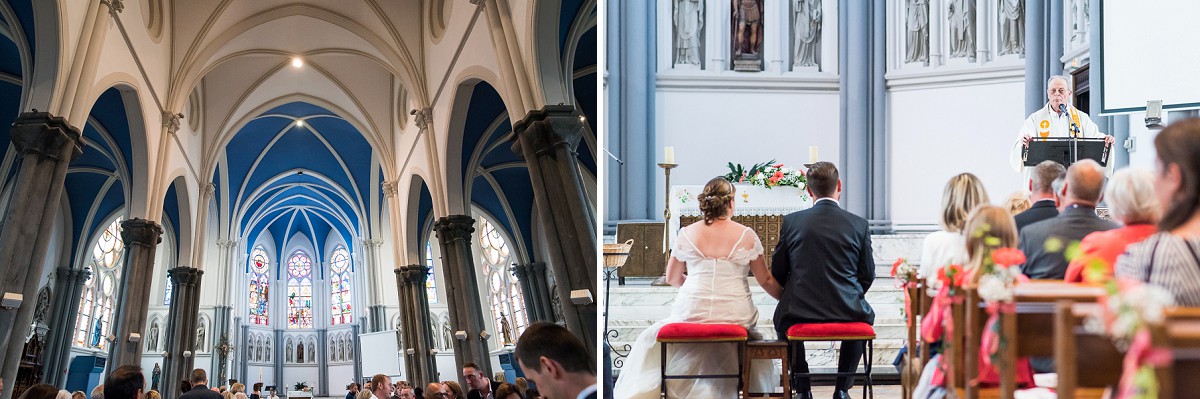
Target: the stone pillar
pixel 632 191
pixel 221 315
pixel 322 358
pixel 462 293
pixel 377 318
pixel 358 375
pixel 537 293
pixel 46 145
pixel 141 238
pixel 547 139
pixel 179 359
pixel 864 151
pixel 243 369
pixel 1043 50
pixel 64 310
pixel 414 313
pixel 279 349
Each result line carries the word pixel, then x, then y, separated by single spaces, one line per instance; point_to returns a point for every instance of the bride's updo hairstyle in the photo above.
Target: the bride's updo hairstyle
pixel 714 201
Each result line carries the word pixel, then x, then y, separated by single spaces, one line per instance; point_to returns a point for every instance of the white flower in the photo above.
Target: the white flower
pixel 993 289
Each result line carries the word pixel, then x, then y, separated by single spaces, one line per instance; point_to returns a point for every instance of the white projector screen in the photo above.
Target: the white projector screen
pixel 1148 52
pixel 380 354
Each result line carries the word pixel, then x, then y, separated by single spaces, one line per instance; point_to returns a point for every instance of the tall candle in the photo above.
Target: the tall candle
pixel 812 154
pixel 670 155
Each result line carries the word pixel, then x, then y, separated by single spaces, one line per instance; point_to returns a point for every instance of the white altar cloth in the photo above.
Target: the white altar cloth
pixel 749 201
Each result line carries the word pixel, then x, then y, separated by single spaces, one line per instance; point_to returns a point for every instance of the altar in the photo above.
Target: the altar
pixel 299 395
pixel 757 207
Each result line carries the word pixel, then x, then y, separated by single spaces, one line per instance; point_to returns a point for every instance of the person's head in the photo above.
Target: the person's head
pixel 238 387
pixel 364 394
pixel 433 390
pixel 1058 91
pixel 405 393
pixel 1084 184
pixel 475 378
pixel 452 390
pixel 962 194
pixel 78 395
pixel 65 394
pixel 185 385
pixel 199 377
pixel 382 386
pixel 984 222
pixel 258 386
pixel 97 392
pixel 353 387
pixel 1177 172
pixel 555 360
pixel 508 391
pixel 40 391
pixel 823 181
pixel 532 393
pixel 223 389
pixel 521 384
pixel 227 395
pixel 126 382
pixel 716 201
pixel 1131 198
pixel 1041 182
pixel 1017 202
pixel 239 395
pixel 153 395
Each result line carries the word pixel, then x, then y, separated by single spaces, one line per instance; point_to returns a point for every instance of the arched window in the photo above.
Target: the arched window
pixel 299 294
pixel 260 285
pixel 339 281
pixel 504 293
pixel 96 306
pixel 430 283
pixel 167 292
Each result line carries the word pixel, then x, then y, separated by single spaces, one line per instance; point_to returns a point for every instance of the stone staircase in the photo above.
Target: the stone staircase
pixel 636 305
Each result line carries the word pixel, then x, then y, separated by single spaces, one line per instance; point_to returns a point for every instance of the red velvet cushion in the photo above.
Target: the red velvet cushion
pixel 701 332
pixel 822 330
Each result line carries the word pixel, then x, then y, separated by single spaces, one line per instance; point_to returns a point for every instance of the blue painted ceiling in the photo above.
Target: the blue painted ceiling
pixel 171 212
pixel 105 159
pixel 585 92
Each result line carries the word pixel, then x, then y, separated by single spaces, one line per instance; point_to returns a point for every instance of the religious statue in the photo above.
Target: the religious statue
pixel 155 376
pixel 747 14
pixel 689 23
pixel 288 351
pixel 255 352
pixel 152 343
pixel 200 337
pixel 807 20
pixel 333 352
pixel 505 330
pixel 267 349
pixel 447 336
pixel 917 37
pixel 96 331
pixel 312 352
pixel 1012 27
pixel 300 352
pixel 344 351
pixel 1079 21
pixel 962 29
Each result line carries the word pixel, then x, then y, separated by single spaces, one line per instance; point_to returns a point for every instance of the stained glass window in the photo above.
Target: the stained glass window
pixel 339 281
pixel 299 287
pixel 430 283
pixel 99 294
pixel 167 292
pixel 504 293
pixel 260 286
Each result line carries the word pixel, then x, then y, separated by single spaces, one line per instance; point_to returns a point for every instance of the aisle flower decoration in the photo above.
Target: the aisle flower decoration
pixel 997 278
pixel 1128 310
pixel 906 277
pixel 766 174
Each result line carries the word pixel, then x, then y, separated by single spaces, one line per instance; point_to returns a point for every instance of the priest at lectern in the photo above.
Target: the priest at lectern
pixel 1057 119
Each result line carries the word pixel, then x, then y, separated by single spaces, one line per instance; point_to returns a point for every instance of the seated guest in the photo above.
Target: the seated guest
pixel 126 382
pixel 945 247
pixel 98 392
pixel 481 386
pixel 1170 258
pixel 1131 200
pixel 1017 202
pixel 509 391
pixel 39 391
pixel 452 390
pixel 433 391
pixel 824 263
pixel 1045 243
pixel 1042 194
pixel 556 361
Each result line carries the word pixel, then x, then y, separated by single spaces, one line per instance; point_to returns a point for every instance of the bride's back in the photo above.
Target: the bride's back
pixel 719 239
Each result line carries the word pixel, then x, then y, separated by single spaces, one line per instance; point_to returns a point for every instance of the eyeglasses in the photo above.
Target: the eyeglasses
pixel 1058 91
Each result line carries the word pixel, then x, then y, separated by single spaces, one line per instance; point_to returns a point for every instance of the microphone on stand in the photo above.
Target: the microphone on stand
pixel 1074 134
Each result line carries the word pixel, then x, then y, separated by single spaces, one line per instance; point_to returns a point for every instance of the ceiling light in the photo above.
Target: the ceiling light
pixel 300 123
pixel 297 62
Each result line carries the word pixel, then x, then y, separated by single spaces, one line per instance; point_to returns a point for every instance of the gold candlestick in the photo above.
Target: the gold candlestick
pixel 667 166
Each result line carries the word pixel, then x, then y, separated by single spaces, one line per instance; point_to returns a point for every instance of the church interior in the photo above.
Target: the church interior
pixel 293 193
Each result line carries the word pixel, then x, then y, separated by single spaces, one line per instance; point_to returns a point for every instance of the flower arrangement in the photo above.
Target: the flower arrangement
pixel 766 174
pixel 1129 307
pixel 300 386
pixel 904 272
pixel 998 276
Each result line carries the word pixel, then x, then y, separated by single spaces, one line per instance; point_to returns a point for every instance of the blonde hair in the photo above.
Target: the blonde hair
pixel 714 200
pixel 238 387
pixel 962 194
pixel 153 394
pixel 988 221
pixel 1017 202
pixel 1131 198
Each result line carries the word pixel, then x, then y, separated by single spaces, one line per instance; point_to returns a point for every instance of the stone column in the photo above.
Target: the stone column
pixel 1043 50
pixel 414 311
pixel 279 349
pixel 64 310
pixel 243 368
pixel 46 145
pixel 358 375
pixel 179 359
pixel 633 140
pixel 462 292
pixel 141 238
pixel 537 292
pixel 322 358
pixel 221 315
pixel 864 151
pixel 547 139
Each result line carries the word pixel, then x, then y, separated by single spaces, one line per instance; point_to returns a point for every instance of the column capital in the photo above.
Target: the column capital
pixel 389 188
pixel 142 232
pixel 454 227
pixel 521 271
pixel 416 274
pixel 114 6
pixel 170 122
pixel 537 269
pixel 46 135
pixel 207 189
pixel 548 128
pixel 184 275
pixel 71 274
pixel 423 117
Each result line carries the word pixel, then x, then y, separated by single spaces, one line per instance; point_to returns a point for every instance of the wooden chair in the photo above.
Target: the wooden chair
pixel 695 333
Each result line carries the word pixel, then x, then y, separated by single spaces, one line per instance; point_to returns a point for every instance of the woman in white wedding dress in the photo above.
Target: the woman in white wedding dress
pixel 716 255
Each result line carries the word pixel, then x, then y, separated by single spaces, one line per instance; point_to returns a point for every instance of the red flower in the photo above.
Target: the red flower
pixel 1008 257
pixel 775 178
pixel 896 265
pixel 950 275
pixel 777 166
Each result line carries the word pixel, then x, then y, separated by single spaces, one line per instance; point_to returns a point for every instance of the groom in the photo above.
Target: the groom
pixel 824 264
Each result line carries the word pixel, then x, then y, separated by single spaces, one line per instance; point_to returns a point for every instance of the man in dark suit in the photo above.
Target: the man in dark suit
pixel 481 386
pixel 1042 193
pixel 126 382
pixel 557 362
pixel 1045 243
pixel 200 389
pixel 824 263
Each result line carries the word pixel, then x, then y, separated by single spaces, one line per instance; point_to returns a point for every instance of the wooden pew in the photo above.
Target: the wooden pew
pixel 1180 334
pixel 918 352
pixel 1084 361
pixel 1026 331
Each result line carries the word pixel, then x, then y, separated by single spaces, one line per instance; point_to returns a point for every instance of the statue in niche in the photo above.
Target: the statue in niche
pixel 200 337
pixel 312 351
pixel 333 352
pixel 288 350
pixel 1012 27
pixel 689 23
pixel 300 352
pixel 152 340
pixel 267 350
pixel 1079 21
pixel 747 24
pixel 155 376
pixel 96 330
pixel 346 353
pixel 962 29
pixel 505 330
pixel 447 336
pixel 807 21
pixel 254 351
pixel 917 32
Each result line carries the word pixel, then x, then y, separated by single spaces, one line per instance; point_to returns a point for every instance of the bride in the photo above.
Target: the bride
pixel 715 254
